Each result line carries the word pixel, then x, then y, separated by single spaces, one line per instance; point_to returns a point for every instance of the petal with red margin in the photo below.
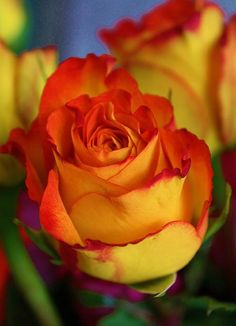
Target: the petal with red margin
pixel 157 255
pixel 131 216
pixel 53 215
pixel 180 143
pixel 127 35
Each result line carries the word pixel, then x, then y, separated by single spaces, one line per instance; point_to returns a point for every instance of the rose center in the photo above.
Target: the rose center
pixel 110 140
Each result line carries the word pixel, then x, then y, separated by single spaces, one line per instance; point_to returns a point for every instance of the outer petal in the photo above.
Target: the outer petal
pixel 53 215
pixel 81 76
pixel 227 94
pixel 200 173
pixel 130 217
pixel 28 149
pixel 157 255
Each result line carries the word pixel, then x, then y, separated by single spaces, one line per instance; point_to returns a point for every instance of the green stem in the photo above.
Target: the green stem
pixel 23 270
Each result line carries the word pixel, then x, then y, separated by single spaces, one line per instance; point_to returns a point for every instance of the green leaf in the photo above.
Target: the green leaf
pixel 23 271
pixel 215 224
pixel 207 303
pixel 94 300
pixel 122 317
pixel 158 286
pixel 41 241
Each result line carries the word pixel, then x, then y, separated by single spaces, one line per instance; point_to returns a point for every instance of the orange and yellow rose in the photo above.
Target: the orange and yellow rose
pixel 21 82
pixel 184 48
pixel 121 190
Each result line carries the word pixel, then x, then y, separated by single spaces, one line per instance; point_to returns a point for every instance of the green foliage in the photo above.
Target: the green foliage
pixel 158 287
pixel 123 317
pixel 215 224
pixel 40 239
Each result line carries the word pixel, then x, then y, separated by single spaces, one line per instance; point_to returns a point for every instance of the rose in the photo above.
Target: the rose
pixel 184 49
pixel 21 82
pixel 124 194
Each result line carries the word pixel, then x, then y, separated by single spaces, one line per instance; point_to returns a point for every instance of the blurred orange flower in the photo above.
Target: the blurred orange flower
pixel 184 50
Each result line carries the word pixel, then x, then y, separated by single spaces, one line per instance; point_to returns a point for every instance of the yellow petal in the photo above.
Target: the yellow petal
pixel 76 183
pixel 227 93
pixel 158 255
pixel 141 168
pixel 8 116
pixel 130 217
pixel 33 69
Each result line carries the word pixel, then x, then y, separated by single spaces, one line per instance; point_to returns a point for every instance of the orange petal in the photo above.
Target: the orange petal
pixel 29 150
pixel 76 182
pixel 75 77
pixel 157 255
pixel 59 127
pixel 53 215
pixel 141 169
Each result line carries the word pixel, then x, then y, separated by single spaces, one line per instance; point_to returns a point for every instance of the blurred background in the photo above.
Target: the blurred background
pixel 72 25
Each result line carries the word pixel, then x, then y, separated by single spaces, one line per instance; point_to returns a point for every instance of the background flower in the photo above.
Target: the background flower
pixel 21 82
pixel 182 58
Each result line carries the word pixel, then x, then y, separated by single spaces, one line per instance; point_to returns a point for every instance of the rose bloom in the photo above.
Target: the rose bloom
pixel 21 82
pixel 124 194
pixel 185 50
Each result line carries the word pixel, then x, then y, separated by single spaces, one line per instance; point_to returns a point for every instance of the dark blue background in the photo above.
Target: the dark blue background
pixel 72 24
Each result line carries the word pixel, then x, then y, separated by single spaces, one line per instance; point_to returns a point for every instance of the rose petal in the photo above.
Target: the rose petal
pixel 182 143
pixel 141 168
pixel 76 74
pixel 59 129
pixel 130 217
pixel 82 183
pixel 53 215
pixel 157 255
